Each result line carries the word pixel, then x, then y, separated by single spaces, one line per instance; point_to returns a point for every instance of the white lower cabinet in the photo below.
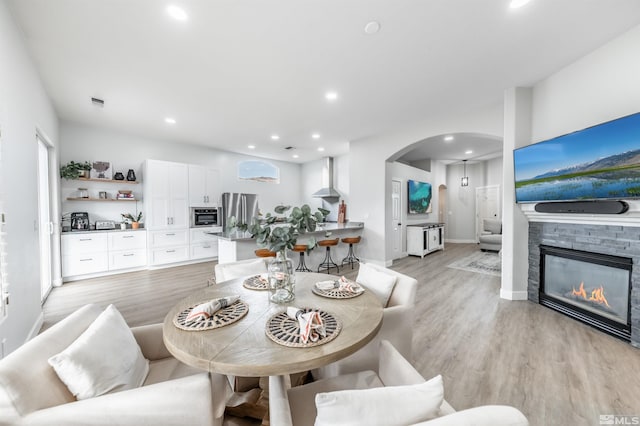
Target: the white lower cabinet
pixel 203 243
pixel 168 246
pixel 102 252
pixel 424 238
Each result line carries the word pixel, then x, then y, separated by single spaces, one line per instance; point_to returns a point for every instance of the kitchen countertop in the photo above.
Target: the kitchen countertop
pixel 93 231
pixel 327 226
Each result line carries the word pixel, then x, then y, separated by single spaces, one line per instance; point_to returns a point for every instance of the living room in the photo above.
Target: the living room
pixel 597 84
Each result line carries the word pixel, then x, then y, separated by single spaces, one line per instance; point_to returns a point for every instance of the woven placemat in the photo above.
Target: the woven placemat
pixel 257 282
pixel 335 293
pixel 222 317
pixel 285 331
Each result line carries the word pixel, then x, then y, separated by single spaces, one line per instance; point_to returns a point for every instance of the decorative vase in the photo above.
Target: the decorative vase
pixel 282 280
pixel 118 176
pixel 131 175
pixel 135 225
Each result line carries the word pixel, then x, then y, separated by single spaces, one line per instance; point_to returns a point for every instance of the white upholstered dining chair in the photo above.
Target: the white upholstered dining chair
pixel 241 268
pixel 31 392
pixel 398 296
pixel 365 397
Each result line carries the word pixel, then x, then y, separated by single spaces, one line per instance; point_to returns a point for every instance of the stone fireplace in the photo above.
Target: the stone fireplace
pixel 589 272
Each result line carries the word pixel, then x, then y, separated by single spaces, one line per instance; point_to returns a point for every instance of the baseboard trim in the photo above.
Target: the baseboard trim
pixel 461 241
pixel 36 327
pixel 513 295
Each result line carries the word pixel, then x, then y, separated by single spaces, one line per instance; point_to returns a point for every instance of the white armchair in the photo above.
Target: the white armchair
pixel 397 328
pixel 172 394
pixel 297 405
pixel 241 268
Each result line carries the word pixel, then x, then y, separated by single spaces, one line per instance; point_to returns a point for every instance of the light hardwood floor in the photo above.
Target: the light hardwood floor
pixel 556 370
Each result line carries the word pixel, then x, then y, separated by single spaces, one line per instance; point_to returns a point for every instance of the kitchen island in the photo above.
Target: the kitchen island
pixel 234 246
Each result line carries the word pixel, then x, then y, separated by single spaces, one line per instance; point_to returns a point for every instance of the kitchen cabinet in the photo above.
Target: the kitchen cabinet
pixel 204 186
pixel 203 244
pixel 166 190
pixel 97 253
pixel 425 238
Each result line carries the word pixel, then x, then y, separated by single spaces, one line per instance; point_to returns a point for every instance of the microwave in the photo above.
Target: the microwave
pixel 204 217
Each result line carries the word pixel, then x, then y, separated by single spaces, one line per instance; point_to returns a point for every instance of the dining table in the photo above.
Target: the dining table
pixel 243 348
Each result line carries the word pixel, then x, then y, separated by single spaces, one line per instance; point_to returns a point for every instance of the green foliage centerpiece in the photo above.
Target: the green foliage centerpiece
pixel 280 233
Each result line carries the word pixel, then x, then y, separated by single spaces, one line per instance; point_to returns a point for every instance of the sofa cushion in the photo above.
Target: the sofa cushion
pixel 493 226
pixel 380 283
pixel 385 406
pixel 105 358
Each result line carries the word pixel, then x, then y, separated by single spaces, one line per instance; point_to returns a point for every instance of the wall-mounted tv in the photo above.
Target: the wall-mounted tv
pixel 599 162
pixel 419 197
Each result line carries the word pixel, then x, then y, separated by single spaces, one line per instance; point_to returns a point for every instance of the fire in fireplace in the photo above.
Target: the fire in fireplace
pixel 591 287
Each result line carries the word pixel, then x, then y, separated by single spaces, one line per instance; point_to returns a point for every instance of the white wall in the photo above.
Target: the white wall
pixel 124 151
pixel 461 203
pixel 311 177
pixel 493 171
pixel 24 107
pixel 404 172
pixel 368 171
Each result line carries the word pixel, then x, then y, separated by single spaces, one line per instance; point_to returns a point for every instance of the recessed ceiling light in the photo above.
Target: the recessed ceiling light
pixel 295 156
pixel 315 136
pixel 275 137
pixel 518 3
pixel 372 27
pixel 448 138
pixel 331 96
pixel 320 149
pixel 177 13
pixel 251 146
pixel 170 120
pixel 468 152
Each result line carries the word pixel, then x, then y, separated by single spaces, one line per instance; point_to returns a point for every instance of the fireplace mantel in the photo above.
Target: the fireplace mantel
pixel 629 218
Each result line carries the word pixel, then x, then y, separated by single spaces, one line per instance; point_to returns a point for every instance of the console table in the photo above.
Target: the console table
pixel 424 238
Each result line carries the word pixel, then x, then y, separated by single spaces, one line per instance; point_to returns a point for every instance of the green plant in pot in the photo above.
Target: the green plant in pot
pixel 134 219
pixel 280 233
pixel 73 170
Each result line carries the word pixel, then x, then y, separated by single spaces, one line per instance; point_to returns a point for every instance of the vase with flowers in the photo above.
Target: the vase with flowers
pixel 280 233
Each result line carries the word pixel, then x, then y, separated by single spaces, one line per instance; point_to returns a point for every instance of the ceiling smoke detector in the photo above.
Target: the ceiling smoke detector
pixel 97 102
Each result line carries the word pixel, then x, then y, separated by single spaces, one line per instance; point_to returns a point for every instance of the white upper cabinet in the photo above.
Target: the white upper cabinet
pixel 166 195
pixel 204 186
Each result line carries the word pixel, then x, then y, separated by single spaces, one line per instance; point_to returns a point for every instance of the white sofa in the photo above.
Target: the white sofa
pixel 296 406
pixel 397 328
pixel 172 394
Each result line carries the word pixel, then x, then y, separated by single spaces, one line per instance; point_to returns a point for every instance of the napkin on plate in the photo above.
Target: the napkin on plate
pixel 205 310
pixel 342 284
pixel 311 325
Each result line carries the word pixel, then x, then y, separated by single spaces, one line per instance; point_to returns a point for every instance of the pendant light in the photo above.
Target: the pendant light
pixel 465 178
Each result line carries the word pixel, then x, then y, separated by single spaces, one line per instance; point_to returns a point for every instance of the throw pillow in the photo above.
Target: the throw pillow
pixel 105 358
pixel 380 283
pixel 386 406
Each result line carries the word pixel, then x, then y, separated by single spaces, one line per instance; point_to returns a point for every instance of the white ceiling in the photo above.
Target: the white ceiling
pixel 238 71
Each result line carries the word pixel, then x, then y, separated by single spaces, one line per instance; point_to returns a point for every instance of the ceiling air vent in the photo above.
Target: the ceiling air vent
pixel 288 147
pixel 97 102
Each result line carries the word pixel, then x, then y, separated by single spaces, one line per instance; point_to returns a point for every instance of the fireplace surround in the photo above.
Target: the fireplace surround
pixel 613 240
pixel 591 287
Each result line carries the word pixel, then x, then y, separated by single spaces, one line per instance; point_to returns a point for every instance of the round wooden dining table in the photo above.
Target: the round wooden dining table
pixel 243 348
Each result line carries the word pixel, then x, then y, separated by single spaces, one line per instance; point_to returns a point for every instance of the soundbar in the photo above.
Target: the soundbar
pixel 586 207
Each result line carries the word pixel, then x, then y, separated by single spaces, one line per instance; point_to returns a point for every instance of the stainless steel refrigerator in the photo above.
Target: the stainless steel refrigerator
pixel 243 206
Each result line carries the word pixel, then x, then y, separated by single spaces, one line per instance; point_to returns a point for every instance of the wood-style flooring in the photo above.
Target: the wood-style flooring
pixel 556 370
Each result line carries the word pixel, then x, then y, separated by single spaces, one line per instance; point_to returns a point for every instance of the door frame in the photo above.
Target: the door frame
pixel 401 252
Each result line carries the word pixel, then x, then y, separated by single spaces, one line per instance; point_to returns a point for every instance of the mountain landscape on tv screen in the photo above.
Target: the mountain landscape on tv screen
pixel 615 176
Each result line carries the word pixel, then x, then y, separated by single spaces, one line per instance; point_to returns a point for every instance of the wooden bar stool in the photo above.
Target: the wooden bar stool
pixel 328 263
pixel 265 253
pixel 301 248
pixel 351 257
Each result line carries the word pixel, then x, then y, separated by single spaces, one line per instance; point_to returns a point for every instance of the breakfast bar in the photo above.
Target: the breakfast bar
pixel 234 246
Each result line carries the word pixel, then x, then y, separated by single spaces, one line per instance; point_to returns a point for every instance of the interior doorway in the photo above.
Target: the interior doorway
pixel 487 205
pixel 442 206
pixel 45 225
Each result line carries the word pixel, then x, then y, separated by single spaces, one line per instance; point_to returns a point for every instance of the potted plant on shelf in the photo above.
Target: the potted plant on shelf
pixel 73 170
pixel 280 233
pixel 135 220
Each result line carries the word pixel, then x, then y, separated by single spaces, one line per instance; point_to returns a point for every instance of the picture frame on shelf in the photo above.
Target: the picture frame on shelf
pixel 101 170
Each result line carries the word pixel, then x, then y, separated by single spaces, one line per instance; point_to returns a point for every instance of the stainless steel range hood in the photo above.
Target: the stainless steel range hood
pixel 327 190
